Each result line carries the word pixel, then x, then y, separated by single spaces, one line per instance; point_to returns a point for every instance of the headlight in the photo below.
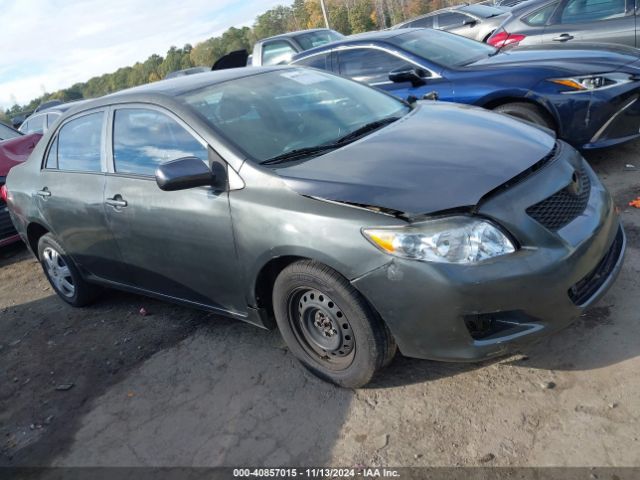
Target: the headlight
pixel 445 240
pixel 592 82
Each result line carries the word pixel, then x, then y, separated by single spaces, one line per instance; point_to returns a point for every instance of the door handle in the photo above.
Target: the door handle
pixel 116 202
pixel 44 192
pixel 563 37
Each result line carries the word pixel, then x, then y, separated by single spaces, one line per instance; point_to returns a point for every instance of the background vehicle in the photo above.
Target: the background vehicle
pixel 44 118
pixel 475 21
pixel 569 21
pixel 504 3
pixel 334 215
pixel 187 71
pixel 281 48
pixel 7 132
pixel 12 153
pixel 588 95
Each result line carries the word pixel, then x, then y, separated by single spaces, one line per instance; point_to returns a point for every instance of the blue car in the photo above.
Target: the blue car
pixel 587 94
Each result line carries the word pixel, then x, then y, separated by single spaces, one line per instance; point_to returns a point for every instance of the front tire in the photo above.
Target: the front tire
pixel 329 326
pixel 62 273
pixel 526 111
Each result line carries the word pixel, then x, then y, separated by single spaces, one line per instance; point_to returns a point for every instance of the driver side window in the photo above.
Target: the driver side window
pixel 144 139
pixel 368 65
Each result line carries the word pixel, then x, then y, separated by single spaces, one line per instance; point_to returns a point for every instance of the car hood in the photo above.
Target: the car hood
pixel 16 150
pixel 581 58
pixel 440 156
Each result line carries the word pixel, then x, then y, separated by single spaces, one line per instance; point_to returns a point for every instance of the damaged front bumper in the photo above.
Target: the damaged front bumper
pixel 470 312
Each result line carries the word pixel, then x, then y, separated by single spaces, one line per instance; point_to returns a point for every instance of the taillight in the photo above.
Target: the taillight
pixel 4 193
pixel 503 38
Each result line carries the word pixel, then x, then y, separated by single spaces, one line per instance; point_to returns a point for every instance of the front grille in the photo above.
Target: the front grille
pixel 586 288
pixel 565 205
pixel 6 227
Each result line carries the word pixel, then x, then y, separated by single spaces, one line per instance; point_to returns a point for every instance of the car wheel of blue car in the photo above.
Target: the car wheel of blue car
pixel 329 326
pixel 526 111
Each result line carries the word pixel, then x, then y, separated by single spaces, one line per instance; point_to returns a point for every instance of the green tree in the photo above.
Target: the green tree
pixel 360 16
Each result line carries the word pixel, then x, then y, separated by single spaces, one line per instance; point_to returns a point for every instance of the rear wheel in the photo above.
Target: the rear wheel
pixel 329 326
pixel 63 274
pixel 526 111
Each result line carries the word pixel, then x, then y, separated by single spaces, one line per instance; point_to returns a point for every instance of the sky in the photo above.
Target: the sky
pixel 46 45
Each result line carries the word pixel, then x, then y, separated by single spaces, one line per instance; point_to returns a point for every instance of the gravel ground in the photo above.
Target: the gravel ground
pixel 107 385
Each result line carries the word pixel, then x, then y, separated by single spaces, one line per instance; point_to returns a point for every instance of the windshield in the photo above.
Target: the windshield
pixel 315 39
pixel 276 112
pixel 442 48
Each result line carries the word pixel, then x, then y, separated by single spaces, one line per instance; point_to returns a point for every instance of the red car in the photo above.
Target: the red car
pixel 12 152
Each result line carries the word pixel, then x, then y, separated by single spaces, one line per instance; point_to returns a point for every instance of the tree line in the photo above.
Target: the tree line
pixel 345 16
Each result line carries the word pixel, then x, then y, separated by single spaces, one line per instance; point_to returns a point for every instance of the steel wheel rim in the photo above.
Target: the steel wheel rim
pixel 321 328
pixel 58 272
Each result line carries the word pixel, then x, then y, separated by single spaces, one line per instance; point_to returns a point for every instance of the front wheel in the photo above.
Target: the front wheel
pixel 329 326
pixel 526 111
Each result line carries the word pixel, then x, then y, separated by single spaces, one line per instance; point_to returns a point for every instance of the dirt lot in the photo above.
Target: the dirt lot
pixel 108 386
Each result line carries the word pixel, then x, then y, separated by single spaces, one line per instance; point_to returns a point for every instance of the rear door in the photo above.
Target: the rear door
pixel 179 244
pixel 595 21
pixel 69 194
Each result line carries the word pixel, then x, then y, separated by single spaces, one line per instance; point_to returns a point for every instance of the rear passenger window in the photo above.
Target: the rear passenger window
pixel 580 11
pixel 79 144
pixel 315 61
pixel 143 139
pixel 540 17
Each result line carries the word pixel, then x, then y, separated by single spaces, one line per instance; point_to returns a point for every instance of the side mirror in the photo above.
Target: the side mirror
pixel 408 74
pixel 184 173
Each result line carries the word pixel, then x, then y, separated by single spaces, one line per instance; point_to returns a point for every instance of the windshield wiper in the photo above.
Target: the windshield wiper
pixel 300 153
pixel 369 127
pixel 341 142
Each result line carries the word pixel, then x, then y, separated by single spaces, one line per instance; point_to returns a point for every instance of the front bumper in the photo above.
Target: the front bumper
pixel 437 311
pixel 597 119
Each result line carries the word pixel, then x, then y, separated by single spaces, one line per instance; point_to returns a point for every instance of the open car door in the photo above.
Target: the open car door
pixel 235 59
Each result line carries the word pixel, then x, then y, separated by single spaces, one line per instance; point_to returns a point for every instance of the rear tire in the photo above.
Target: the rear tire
pixel 329 326
pixel 526 111
pixel 63 275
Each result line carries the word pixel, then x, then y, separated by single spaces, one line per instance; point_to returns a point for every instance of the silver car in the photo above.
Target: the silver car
pixel 568 21
pixel 477 22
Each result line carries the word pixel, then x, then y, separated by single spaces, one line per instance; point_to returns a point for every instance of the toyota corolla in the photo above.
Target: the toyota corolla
pixel 352 221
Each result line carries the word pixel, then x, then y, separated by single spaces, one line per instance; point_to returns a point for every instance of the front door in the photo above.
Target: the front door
pixel 70 196
pixel 372 66
pixel 179 244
